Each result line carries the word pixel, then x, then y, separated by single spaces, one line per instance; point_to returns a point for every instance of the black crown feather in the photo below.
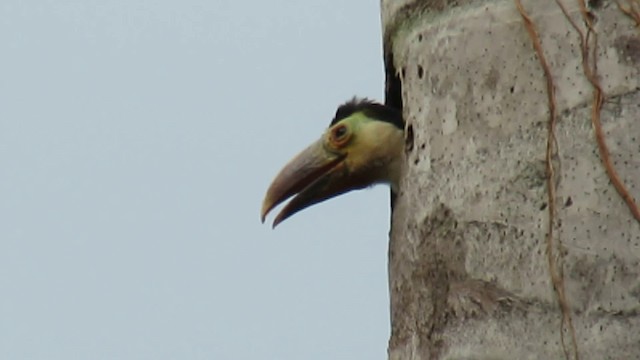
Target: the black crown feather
pixel 370 109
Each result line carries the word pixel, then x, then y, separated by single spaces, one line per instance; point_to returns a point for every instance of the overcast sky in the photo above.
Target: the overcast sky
pixel 137 139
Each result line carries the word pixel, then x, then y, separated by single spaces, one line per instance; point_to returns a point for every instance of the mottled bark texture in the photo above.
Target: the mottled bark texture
pixel 468 266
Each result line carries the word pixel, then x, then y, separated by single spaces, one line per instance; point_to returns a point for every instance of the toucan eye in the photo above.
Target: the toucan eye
pixel 339 135
pixel 339 132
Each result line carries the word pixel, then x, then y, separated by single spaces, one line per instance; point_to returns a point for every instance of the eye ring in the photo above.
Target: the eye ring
pixel 339 132
pixel 340 135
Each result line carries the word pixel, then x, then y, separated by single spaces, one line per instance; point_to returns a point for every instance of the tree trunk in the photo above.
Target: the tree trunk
pixel 476 272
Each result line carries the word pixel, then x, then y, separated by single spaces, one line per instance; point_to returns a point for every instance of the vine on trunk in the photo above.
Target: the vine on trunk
pixel 591 72
pixel 555 269
pixel 632 11
pixel 588 47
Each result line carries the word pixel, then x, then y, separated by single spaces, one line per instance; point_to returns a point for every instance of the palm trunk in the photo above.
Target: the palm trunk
pixel 508 239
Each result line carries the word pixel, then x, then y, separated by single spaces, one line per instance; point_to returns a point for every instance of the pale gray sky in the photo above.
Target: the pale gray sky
pixel 137 139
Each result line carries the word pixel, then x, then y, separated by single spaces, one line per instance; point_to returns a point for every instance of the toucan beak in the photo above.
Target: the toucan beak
pixel 315 175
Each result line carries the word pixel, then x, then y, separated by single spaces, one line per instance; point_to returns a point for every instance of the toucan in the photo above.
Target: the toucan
pixel 362 147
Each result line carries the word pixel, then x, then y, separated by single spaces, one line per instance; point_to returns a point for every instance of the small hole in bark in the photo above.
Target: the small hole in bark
pixel 569 202
pixel 408 139
pixel 594 4
pixel 420 71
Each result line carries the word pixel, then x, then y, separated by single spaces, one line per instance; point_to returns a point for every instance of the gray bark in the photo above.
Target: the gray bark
pixel 468 267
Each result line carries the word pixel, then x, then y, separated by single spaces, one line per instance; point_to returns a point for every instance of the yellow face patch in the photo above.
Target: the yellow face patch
pixel 368 145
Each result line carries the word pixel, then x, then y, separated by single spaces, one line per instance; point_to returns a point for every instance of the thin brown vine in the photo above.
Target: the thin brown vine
pixel 591 72
pixel 632 11
pixel 557 277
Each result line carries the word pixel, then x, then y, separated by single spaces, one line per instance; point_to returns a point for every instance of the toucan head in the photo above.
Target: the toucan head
pixel 362 147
